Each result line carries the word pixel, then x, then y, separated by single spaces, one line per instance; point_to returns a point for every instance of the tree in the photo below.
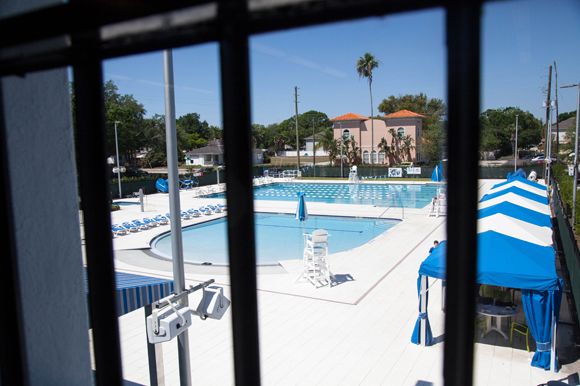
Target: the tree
pixel 191 123
pixel 279 143
pixel 500 125
pixel 328 144
pixel 570 137
pixel 351 151
pixel 288 127
pixel 433 109
pixel 364 67
pixel 433 141
pixel 564 116
pixel 406 146
pixel 119 108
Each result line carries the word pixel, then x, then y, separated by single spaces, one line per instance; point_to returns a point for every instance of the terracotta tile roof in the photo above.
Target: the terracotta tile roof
pixel 404 114
pixel 350 117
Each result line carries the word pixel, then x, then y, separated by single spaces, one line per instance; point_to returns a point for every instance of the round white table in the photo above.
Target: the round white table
pixel 496 312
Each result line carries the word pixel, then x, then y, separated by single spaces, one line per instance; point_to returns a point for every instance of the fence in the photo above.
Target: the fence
pixel 127 188
pixel 426 171
pixel 569 243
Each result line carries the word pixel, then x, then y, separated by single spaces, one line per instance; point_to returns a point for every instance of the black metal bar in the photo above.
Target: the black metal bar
pixel 463 53
pixel 94 191
pixel 235 72
pixel 271 19
pixel 151 356
pixel 78 16
pixel 13 362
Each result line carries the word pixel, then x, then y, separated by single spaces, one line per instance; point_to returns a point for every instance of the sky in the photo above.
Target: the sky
pixel 520 40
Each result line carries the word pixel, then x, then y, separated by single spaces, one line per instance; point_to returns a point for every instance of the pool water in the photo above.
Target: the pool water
pixel 387 195
pixel 278 237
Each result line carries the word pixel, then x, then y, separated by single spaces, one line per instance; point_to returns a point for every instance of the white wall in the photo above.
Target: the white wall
pixel 43 185
pixel 292 153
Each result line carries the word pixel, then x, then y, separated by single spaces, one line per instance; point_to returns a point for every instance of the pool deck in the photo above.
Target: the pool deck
pixel 356 332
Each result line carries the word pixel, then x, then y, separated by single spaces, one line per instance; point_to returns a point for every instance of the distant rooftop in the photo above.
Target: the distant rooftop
pixel 350 117
pixel 405 114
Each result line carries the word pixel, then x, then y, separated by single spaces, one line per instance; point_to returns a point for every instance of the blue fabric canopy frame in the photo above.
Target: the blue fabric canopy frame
pixel 508 262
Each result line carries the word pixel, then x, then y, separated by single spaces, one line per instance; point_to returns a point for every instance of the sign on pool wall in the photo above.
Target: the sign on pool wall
pixel 413 170
pixel 395 172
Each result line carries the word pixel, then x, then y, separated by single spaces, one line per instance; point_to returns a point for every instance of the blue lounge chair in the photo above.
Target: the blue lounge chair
pixel 161 219
pixel 118 230
pixel 185 215
pixel 130 226
pixel 194 212
pixel 222 207
pixel 205 211
pixel 140 224
pixel 150 222
pixel 214 208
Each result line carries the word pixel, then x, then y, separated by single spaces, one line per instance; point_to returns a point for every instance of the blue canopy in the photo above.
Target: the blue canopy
pixel 509 262
pixel 518 212
pixel 523 180
pixel 503 261
pixel 519 192
pixel 519 173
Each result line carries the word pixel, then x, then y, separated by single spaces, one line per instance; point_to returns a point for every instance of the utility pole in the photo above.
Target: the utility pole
pixel 547 118
pixel 297 136
pixel 313 149
pixel 557 123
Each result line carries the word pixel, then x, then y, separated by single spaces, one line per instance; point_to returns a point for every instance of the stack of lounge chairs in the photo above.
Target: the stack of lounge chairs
pixel 150 222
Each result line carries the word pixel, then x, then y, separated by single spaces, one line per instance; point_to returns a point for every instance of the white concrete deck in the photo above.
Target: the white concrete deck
pixel 356 332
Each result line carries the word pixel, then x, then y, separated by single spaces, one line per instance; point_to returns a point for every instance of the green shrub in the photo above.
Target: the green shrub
pixel 115 207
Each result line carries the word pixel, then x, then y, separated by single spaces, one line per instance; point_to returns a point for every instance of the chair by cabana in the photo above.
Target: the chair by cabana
pixel 523 329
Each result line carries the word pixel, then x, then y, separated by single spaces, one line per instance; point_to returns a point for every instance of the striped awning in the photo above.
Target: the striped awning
pixel 136 291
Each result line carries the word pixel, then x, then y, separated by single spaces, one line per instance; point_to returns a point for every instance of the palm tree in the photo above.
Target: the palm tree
pixel 364 67
pixel 328 144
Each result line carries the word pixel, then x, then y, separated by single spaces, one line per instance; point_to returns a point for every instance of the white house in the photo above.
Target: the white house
pixel 213 155
pixel 310 146
pixel 210 155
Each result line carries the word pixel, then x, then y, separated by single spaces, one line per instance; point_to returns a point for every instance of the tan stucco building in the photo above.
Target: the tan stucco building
pixel 359 127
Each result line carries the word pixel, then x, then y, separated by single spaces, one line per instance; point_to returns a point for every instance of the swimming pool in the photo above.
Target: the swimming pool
pixel 387 195
pixel 278 237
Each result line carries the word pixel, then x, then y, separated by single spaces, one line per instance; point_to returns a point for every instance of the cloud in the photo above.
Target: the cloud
pixel 158 84
pixel 296 60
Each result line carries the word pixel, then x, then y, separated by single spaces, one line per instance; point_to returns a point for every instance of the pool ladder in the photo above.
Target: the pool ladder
pixel 397 194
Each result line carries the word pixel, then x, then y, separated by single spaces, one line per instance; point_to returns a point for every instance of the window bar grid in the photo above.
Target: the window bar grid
pixel 235 75
pixel 94 191
pixel 463 38
pixel 463 50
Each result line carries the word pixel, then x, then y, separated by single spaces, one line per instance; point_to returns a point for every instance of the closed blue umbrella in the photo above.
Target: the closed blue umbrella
pixel 301 211
pixel 436 176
